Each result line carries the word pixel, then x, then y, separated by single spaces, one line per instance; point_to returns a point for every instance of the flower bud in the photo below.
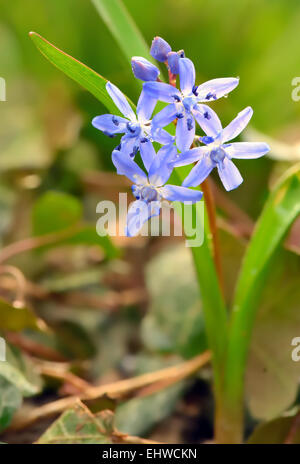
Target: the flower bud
pixel 143 69
pixel 173 61
pixel 160 49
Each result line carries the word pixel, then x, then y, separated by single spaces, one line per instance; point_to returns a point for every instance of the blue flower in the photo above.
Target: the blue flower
pixel 187 104
pixel 149 190
pixel 143 69
pixel 138 131
pixel 218 153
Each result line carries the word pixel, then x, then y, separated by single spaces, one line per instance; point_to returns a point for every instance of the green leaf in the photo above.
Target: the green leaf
pixel 123 28
pixel 79 72
pixel 274 432
pixel 272 378
pixel 16 319
pixel 79 426
pixel 19 371
pixel 10 401
pixel 281 209
pixel 174 322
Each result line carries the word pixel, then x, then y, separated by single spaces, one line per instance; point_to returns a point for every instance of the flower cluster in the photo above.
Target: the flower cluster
pixel 185 107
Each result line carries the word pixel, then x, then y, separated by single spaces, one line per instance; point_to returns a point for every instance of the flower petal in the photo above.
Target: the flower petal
pixel 161 136
pixel 161 168
pixel 186 75
pixel 208 120
pixel 162 91
pixel 147 153
pixel 127 167
pixel 175 193
pixel 216 88
pixel 237 125
pixel 173 62
pixel 247 150
pixel 120 101
pixel 185 132
pixel 199 172
pixel 229 174
pixel 145 106
pixel 189 156
pixel 159 49
pixel 129 145
pixel 139 212
pixel 110 124
pixel 165 116
pixel 143 69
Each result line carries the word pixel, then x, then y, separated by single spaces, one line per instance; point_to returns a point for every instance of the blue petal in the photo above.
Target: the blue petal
pixel 120 101
pixel 127 167
pixel 147 153
pixel 143 69
pixel 161 91
pixel 139 212
pixel 189 156
pixel 208 120
pixel 165 116
pixel 110 124
pixel 129 145
pixel 216 88
pixel 247 150
pixel 145 106
pixel 199 172
pixel 173 62
pixel 186 75
pixel 161 168
pixel 229 174
pixel 160 49
pixel 175 193
pixel 161 136
pixel 237 125
pixel 185 132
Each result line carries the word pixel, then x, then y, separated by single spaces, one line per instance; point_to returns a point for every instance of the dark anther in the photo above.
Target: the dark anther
pixel 189 124
pixel 211 95
pixel 195 87
pixel 179 115
pixel 144 140
pixel 207 115
pixel 118 148
pixel 128 125
pixel 134 152
pixel 115 121
pixel 206 139
pixel 181 54
pixel 176 98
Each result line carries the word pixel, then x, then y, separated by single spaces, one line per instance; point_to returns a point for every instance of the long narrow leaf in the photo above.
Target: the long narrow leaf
pixel 123 28
pixel 282 208
pixel 79 72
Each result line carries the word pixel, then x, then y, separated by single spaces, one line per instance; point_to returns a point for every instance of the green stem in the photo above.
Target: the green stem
pixel 214 310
